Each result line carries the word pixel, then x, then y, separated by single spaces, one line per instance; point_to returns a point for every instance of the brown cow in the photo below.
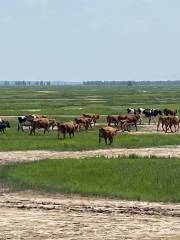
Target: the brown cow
pixel 86 122
pixel 93 116
pixel 107 133
pixel 168 122
pixel 171 112
pixel 53 123
pixel 40 123
pixel 125 125
pixel 128 120
pixel 35 116
pixel 163 122
pixel 112 119
pixel 68 127
pixel 174 121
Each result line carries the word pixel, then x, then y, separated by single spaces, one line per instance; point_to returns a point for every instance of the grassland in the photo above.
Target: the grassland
pixel 66 102
pixel 75 100
pixel 152 179
pixel 81 141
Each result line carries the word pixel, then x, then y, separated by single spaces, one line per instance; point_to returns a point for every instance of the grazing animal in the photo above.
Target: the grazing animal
pixel 140 110
pixel 4 125
pixel 107 133
pixel 129 119
pixel 149 113
pixel 131 110
pixel 53 123
pixel 85 121
pixel 125 125
pixel 171 112
pixel 40 123
pixel 68 127
pixel 163 122
pixel 93 116
pixel 112 119
pixel 38 116
pixel 168 122
pixel 24 121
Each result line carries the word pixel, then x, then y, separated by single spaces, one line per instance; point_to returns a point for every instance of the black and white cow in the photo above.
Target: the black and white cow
pixel 131 110
pixel 149 113
pixel 4 125
pixel 24 121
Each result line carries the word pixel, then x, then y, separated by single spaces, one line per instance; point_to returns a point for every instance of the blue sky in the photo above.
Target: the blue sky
pixel 80 40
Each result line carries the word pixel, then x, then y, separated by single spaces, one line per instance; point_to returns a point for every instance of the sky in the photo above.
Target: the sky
pixel 81 40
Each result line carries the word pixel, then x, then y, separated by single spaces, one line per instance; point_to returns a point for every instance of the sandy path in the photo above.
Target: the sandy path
pixel 14 156
pixel 34 215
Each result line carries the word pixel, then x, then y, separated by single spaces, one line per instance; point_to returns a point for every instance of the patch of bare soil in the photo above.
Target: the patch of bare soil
pixel 33 215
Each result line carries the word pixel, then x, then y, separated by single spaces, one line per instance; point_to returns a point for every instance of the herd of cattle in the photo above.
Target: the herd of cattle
pixel 167 119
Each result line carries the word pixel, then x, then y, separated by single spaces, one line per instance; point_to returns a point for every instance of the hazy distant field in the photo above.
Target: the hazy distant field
pixel 75 100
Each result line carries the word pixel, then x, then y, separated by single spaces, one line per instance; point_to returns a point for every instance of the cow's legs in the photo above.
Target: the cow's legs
pixel 99 139
pixel 172 129
pixel 135 124
pixel 32 130
pixel 58 133
pixel 46 130
pixel 20 126
pixel 2 130
pixel 178 127
pixel 110 140
pixel 140 120
pixel 158 125
pixel 149 120
pixel 164 129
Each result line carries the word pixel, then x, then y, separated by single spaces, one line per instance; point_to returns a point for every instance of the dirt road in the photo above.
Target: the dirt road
pixel 35 215
pixel 14 156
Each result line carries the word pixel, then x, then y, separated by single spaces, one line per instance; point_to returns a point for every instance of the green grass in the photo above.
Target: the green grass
pixel 81 141
pixel 66 102
pixel 150 179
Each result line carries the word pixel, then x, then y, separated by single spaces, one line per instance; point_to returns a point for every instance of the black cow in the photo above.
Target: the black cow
pixel 4 125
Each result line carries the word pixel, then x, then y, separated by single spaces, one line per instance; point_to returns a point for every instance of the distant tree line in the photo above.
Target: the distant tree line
pixel 89 83
pixel 133 83
pixel 31 83
pixel 25 83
